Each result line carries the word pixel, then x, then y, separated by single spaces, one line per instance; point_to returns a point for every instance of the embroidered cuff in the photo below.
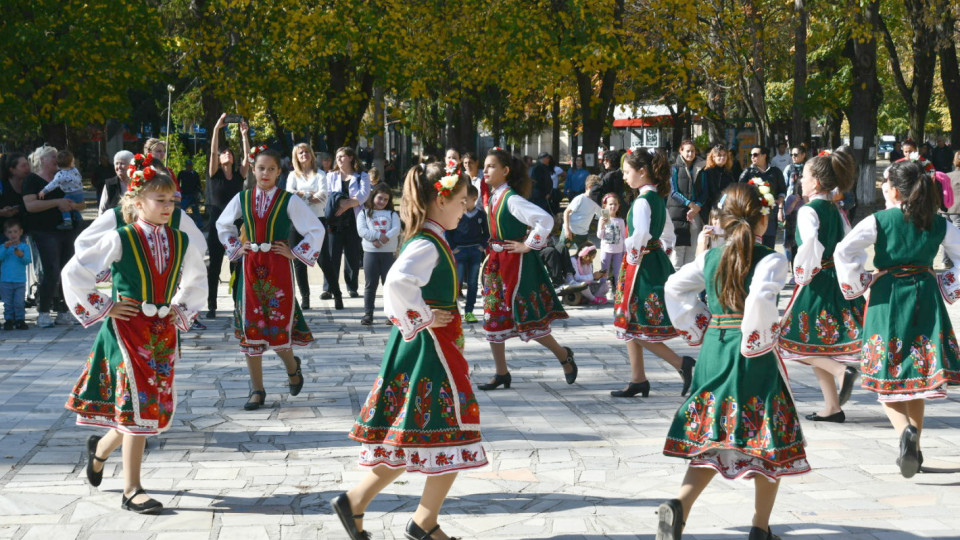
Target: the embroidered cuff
pixel 760 342
pixel 98 303
pixel 232 249
pixel 949 286
pixel 536 241
pixel 801 276
pixel 305 254
pixel 412 325
pixel 634 256
pixel 104 276
pixel 694 335
pixel 184 318
pixel 848 290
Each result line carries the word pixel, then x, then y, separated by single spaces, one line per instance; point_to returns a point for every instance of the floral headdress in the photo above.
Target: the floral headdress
pixel 445 185
pixel 824 153
pixel 252 158
pixel 766 197
pixel 140 172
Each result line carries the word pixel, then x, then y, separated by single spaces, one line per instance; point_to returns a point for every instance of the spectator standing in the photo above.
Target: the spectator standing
pixel 348 189
pixel 14 258
pixel 158 149
pixel 14 169
pixel 101 174
pixel 792 175
pixel 715 176
pixel 226 179
pixel 897 153
pixel 468 243
pixel 115 187
pixel 735 168
pixel 576 179
pixel 309 183
pixel 55 246
pixel 611 181
pixel 761 168
pixel 782 159
pixel 953 212
pixel 190 190
pixel 68 180
pixel 686 199
pixel 612 231
pixel 379 228
pixel 541 173
pixel 942 156
pixel 471 167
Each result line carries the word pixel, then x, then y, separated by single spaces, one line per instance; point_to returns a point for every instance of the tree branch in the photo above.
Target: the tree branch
pixel 906 92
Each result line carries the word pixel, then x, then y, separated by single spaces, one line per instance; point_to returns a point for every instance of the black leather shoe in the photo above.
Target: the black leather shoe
pixel 414 532
pixel 212 314
pixel 671 523
pixel 686 372
pixel 846 386
pixel 909 460
pixel 354 294
pixel 305 303
pixel 756 533
pixel 838 418
pixel 633 389
pixel 496 381
pixel 338 302
pixel 295 388
pixel 151 506
pixel 367 319
pixel 341 505
pixel 326 295
pixel 254 405
pixel 572 376
pixel 94 477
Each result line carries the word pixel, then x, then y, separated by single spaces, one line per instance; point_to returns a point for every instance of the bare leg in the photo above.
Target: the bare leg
pixel 290 363
pixel 558 350
pixel 133 446
pixel 694 482
pixel 434 493
pixel 663 351
pixel 373 483
pixel 105 446
pixel 766 495
pixel 897 413
pixel 827 364
pixel 255 367
pixel 499 351
pixel 635 353
pixel 828 387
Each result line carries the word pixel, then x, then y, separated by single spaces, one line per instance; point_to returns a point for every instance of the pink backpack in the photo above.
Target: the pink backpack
pixel 945 187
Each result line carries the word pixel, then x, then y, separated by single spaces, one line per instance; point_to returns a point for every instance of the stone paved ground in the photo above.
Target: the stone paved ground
pixel 567 461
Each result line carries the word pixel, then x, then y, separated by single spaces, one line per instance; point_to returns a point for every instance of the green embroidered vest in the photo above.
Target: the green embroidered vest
pixel 275 225
pixel 831 226
pixel 711 265
pixel 441 291
pixel 899 242
pixel 134 276
pixel 658 214
pixel 504 225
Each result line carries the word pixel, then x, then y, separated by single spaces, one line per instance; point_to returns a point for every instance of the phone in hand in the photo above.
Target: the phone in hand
pixel 233 119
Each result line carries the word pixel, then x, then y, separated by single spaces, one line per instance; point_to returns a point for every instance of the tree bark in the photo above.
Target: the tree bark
pixel 555 117
pixel 468 126
pixel 379 149
pixel 450 134
pixel 343 128
pixel 865 96
pixel 800 127
pixel 917 95
pixel 950 77
pixel 594 114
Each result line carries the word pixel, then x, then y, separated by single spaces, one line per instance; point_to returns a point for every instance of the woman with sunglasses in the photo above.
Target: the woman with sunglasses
pixel 760 168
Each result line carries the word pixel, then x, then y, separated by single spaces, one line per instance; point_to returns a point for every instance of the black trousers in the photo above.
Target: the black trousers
pixel 56 248
pixel 343 243
pixel 300 269
pixel 216 251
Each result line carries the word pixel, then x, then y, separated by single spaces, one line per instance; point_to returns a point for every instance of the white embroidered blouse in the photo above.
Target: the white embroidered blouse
pixel 402 299
pixel 635 244
pixel 539 221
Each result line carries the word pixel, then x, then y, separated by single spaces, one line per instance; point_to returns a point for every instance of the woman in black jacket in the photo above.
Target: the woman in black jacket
pixel 715 177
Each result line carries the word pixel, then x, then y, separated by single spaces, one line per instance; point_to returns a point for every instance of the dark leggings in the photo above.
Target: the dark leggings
pixel 342 244
pixel 215 249
pixel 375 268
pixel 56 248
pixel 300 269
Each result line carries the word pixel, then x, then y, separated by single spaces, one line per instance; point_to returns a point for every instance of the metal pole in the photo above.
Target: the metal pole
pixel 166 156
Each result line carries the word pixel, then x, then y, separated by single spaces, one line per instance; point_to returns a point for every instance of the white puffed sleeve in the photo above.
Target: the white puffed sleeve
pixel 227 231
pixel 810 253
pixel 761 318
pixel 402 300
pixel 636 242
pixel 309 226
pixel 539 221
pixel 950 279
pixel 668 238
pixel 89 237
pixel 79 278
pixel 191 291
pixel 197 241
pixel 688 313
pixel 850 258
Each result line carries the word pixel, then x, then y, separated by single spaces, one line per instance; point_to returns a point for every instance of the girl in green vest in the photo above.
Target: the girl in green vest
pixel 910 352
pixel 421 415
pixel 640 315
pixel 740 418
pixel 518 296
pixel 821 328
pixel 158 287
pixel 266 312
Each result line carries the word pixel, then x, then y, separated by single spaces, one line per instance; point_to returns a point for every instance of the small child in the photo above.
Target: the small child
pixel 69 181
pixel 597 283
pixel 379 228
pixel 612 230
pixel 14 258
pixel 711 235
pixel 579 215
pixel 469 243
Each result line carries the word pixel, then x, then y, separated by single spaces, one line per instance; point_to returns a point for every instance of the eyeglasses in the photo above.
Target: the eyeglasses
pixel 795 154
pixel 754 154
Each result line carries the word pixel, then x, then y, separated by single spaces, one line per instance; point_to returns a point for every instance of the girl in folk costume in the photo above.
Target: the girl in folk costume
pixel 266 313
pixel 158 287
pixel 910 352
pixel 421 415
pixel 519 299
pixel 740 419
pixel 821 327
pixel 640 316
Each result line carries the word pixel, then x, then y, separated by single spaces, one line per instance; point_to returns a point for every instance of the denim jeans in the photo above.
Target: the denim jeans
pixel 13 295
pixel 469 259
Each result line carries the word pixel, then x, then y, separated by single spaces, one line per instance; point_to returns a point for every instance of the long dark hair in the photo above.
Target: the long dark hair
pixel 517 178
pixel 7 162
pixel 656 165
pixel 379 188
pixel 834 171
pixel 919 199
pixel 739 217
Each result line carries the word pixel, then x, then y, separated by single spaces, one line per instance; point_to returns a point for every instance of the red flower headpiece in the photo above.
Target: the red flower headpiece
pixel 824 153
pixel 445 185
pixel 140 172
pixel 256 152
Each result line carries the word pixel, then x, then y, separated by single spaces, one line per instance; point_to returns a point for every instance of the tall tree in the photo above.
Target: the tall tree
pixel 865 92
pixel 800 125
pixel 950 70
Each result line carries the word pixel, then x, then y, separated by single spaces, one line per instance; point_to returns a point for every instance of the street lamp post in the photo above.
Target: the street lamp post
pixel 169 107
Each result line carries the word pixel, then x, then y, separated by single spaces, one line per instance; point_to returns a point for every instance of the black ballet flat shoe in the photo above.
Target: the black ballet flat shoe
pixel 837 418
pixel 414 532
pixel 94 477
pixel 909 460
pixel 295 388
pixel 846 386
pixel 572 376
pixel 151 506
pixel 632 389
pixel 212 314
pixel 920 459
pixel 496 381
pixel 338 302
pixel 341 505
pixel 756 533
pixel 254 405
pixel 305 303
pixel 354 294
pixel 671 522
pixel 326 295
pixel 686 372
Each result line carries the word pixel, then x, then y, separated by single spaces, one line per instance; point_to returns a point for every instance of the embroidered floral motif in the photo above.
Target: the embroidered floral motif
pixel 701 321
pixel 654 309
pixel 774 330
pixel 105 382
pixel 728 420
pixel 799 273
pixel 394 396
pixel 370 405
pixel 468 456
pixel 787 322
pixel 753 428
pixel 81 313
pixel 923 356
pixel 699 412
pixel 828 330
pixel 414 317
pixel 851 325
pixel 804 327
pixel 873 354
pixel 96 301
pixel 443 459
pixel 447 412
pixel 422 402
pixel 847 290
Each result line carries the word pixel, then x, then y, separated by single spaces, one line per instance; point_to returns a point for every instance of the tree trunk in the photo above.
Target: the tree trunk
pixel 379 149
pixel 343 127
pixel 555 146
pixel 450 135
pixel 800 127
pixel 865 96
pixel 468 126
pixel 950 77
pixel 55 135
pixel 594 114
pixel 924 58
